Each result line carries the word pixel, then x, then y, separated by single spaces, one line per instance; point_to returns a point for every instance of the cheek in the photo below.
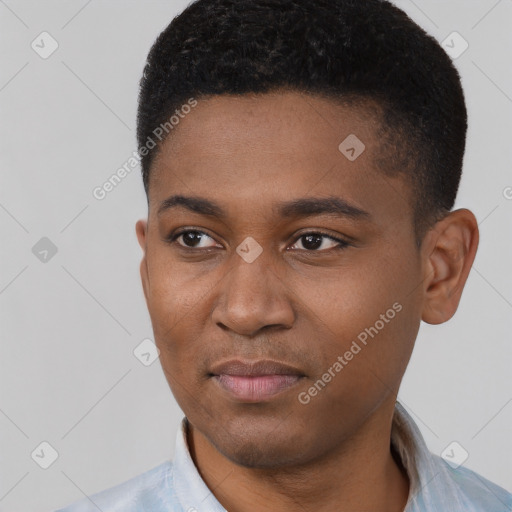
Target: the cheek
pixel 371 315
pixel 361 367
pixel 174 305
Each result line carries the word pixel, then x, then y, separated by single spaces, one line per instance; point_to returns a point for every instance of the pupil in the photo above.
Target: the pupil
pixel 191 236
pixel 312 241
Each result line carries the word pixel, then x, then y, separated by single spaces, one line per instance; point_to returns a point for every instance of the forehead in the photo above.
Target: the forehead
pixel 281 122
pixel 261 149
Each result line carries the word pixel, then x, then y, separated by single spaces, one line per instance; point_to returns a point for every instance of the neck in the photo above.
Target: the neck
pixel 360 474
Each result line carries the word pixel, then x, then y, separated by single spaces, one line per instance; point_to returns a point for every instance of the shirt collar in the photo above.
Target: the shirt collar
pixel 431 483
pixel 414 454
pixel 191 490
pixel 428 482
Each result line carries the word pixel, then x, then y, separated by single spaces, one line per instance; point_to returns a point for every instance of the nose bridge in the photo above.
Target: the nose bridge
pixel 251 296
pixel 251 275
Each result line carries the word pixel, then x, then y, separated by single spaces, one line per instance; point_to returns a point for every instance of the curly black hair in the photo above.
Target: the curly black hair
pixel 353 52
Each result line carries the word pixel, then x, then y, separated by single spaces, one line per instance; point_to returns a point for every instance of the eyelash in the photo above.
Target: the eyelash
pixel 343 244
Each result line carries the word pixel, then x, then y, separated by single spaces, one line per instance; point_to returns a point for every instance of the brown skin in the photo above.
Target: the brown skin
pixel 295 303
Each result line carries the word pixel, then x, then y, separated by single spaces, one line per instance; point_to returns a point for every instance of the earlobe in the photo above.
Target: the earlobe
pixel 141 229
pixel 448 260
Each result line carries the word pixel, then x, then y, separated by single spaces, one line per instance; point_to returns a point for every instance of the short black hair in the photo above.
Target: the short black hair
pixel 355 52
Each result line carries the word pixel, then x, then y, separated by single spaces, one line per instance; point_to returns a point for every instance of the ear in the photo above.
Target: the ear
pixel 449 249
pixel 141 228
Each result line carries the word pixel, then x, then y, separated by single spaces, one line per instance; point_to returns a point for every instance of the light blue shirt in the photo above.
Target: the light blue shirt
pixel 177 486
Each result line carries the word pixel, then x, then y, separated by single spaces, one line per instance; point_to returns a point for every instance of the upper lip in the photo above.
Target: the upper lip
pixel 260 367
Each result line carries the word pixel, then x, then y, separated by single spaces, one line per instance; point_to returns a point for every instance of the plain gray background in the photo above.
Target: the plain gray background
pixel 69 325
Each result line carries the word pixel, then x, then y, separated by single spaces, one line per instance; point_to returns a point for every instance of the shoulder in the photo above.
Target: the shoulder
pixel 473 491
pixel 151 490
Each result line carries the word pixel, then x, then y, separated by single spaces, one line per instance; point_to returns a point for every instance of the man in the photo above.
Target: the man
pixel 301 159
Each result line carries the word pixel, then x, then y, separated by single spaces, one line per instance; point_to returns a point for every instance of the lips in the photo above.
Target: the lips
pixel 255 381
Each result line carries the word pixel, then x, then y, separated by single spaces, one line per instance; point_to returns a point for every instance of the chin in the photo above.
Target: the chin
pixel 260 455
pixel 263 448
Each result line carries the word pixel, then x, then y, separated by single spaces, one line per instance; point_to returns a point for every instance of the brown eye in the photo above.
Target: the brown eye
pixel 319 242
pixel 193 239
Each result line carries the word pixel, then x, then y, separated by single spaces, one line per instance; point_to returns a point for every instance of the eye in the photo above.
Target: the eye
pixel 311 242
pixel 319 242
pixel 192 239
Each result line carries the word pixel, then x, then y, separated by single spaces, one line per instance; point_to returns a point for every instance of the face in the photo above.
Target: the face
pixel 281 275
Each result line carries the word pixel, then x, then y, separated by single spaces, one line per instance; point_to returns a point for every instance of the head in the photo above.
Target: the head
pixel 301 160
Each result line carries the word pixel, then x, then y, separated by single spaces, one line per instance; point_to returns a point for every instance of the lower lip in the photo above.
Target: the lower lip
pixel 257 388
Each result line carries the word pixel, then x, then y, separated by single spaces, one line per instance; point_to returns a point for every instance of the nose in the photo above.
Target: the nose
pixel 252 296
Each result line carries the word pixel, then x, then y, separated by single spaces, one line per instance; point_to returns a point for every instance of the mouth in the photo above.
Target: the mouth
pixel 255 381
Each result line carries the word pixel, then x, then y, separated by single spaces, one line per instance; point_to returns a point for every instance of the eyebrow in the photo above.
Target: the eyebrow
pixel 303 207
